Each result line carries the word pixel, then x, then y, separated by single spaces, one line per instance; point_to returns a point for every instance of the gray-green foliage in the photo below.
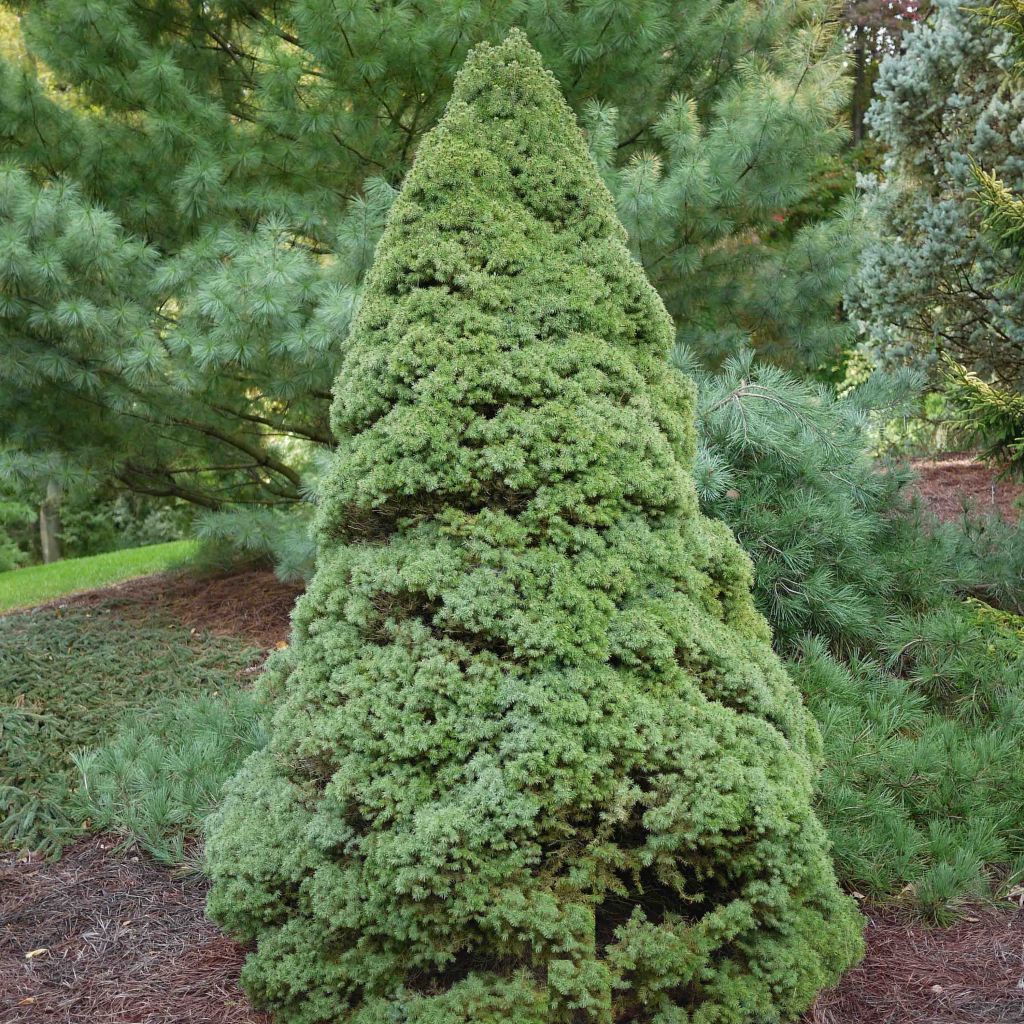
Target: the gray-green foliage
pixel 838 549
pixel 533 758
pixel 1004 208
pixel 162 772
pixel 931 279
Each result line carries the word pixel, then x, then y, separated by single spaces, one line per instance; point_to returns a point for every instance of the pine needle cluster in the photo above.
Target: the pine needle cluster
pixel 192 195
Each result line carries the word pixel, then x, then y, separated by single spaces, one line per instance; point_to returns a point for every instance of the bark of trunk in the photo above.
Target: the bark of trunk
pixel 49 523
pixel 859 100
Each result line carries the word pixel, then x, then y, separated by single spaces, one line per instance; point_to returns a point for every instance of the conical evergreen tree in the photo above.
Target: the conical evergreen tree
pixel 533 758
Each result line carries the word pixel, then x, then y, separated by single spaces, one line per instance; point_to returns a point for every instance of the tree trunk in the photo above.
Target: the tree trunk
pixel 860 101
pixel 49 523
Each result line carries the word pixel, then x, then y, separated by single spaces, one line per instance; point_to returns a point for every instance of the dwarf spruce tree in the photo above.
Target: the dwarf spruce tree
pixel 533 758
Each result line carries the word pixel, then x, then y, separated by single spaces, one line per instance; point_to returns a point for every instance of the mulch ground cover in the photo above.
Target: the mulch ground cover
pixel 945 482
pixel 254 605
pixel 969 973
pixel 105 936
pixel 102 937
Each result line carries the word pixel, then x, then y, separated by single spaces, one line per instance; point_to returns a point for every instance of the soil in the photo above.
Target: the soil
pixel 948 482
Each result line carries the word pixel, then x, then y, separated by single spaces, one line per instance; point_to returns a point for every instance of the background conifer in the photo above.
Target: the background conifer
pixel 931 279
pixel 226 168
pixel 533 758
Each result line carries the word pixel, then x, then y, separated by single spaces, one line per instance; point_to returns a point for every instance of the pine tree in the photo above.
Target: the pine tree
pixel 931 280
pixel 230 165
pixel 990 415
pixel 791 468
pixel 1004 210
pixel 984 412
pixel 533 758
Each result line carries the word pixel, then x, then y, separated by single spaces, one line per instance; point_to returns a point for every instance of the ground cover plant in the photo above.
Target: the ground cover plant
pixel 159 776
pixel 32 585
pixel 533 758
pixel 66 680
pixel 922 803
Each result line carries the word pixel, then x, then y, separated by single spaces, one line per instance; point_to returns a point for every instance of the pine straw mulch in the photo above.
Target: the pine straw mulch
pixel 945 482
pixel 253 605
pixel 105 937
pixel 969 973
pixel 118 940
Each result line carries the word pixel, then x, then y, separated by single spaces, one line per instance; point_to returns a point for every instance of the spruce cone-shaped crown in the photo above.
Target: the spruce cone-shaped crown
pixel 533 759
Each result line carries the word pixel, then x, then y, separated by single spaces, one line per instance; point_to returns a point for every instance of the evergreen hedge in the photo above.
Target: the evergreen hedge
pixel 533 758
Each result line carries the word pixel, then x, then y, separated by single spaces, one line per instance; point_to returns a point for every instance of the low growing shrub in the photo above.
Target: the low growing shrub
pixel 67 679
pixel 922 791
pixel 162 773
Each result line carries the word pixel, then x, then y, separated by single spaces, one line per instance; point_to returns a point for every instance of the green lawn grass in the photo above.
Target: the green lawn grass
pixel 22 588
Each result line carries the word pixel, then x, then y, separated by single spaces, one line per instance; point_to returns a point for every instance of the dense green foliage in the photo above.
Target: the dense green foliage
pixel 1004 209
pixel 920 699
pixel 989 415
pixel 15 517
pixel 35 584
pixel 1004 218
pixel 993 552
pixel 837 547
pixel 66 679
pixel 93 519
pixel 533 757
pixel 922 789
pixel 178 279
pixel 931 279
pixel 159 776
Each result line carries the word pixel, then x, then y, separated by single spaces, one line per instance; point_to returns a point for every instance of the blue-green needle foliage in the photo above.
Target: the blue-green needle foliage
pixel 533 759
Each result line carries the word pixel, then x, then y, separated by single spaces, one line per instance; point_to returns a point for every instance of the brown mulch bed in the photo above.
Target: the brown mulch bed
pixel 254 605
pixel 116 940
pixel 970 973
pixel 119 940
pixel 945 482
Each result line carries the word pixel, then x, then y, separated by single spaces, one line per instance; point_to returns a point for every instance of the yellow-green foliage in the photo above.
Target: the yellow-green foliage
pixel 533 758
